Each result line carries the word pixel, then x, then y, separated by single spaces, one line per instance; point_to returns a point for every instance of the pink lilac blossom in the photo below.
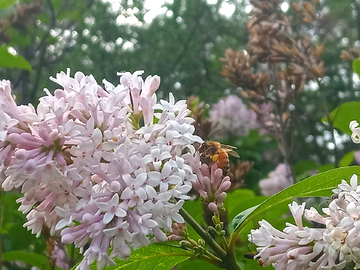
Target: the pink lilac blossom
pixel 232 118
pixel 277 181
pixel 333 245
pixel 60 256
pixel 91 170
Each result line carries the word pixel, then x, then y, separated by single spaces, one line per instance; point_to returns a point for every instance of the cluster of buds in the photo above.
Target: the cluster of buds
pixel 105 168
pixel 271 40
pixel 203 126
pixel 332 245
pixel 211 184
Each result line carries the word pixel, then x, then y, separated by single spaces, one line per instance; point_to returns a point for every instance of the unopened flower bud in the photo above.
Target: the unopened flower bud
pixel 21 154
pixel 185 244
pixel 115 186
pixel 213 207
pixel 201 242
pixel 67 238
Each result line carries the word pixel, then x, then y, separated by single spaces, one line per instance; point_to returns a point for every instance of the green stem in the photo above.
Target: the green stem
pixel 228 262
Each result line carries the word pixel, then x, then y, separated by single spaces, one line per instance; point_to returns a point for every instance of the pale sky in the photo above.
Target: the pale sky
pixel 155 8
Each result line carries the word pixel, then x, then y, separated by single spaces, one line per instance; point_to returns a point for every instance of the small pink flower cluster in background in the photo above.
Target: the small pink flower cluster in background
pixel 232 118
pixel 277 181
pixel 108 167
pixel 332 246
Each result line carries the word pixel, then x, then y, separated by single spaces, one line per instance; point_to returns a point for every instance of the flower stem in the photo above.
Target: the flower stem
pixel 228 262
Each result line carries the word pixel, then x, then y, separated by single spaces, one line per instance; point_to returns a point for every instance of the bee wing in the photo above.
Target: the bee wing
pixel 229 150
pixel 233 153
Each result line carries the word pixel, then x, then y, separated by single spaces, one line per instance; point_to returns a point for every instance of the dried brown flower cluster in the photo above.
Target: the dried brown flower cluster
pixel 19 18
pixel 237 174
pixel 350 55
pixel 284 61
pixel 279 60
pixel 203 126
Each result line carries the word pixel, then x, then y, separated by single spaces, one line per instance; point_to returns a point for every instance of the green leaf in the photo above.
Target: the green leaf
pixel 6 3
pixel 319 185
pixel 240 200
pixel 343 115
pixel 356 66
pixel 155 256
pixel 196 265
pixel 17 38
pixel 9 60
pixel 326 167
pixel 347 159
pixel 305 166
pixel 33 259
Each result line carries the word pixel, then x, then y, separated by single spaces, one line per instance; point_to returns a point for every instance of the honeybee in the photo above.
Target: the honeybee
pixel 211 152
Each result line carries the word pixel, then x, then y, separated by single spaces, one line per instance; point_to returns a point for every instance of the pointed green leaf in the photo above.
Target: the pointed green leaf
pixel 196 265
pixel 319 185
pixel 326 167
pixel 343 115
pixel 305 166
pixel 356 66
pixel 347 159
pixel 6 3
pixel 155 256
pixel 9 60
pixel 33 259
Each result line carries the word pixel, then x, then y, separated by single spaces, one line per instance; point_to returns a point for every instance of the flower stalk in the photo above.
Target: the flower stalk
pixel 228 262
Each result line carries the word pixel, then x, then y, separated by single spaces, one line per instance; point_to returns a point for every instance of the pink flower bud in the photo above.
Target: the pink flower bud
pixel 30 165
pixel 221 198
pixel 115 186
pixel 159 234
pixel 151 85
pixel 213 207
pixel 60 160
pixel 223 187
pixel 87 218
pixel 21 154
pixel 15 138
pixel 67 238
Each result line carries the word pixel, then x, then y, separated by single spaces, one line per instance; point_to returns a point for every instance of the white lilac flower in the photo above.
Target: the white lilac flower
pixel 91 170
pixel 232 117
pixel 332 245
pixel 354 127
pixel 277 181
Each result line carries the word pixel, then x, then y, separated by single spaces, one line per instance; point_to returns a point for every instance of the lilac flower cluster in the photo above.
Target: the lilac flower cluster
pixel 232 118
pixel 277 181
pixel 108 167
pixel 331 246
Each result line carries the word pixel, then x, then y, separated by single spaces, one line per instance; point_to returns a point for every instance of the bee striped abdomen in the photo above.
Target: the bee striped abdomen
pixel 211 152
